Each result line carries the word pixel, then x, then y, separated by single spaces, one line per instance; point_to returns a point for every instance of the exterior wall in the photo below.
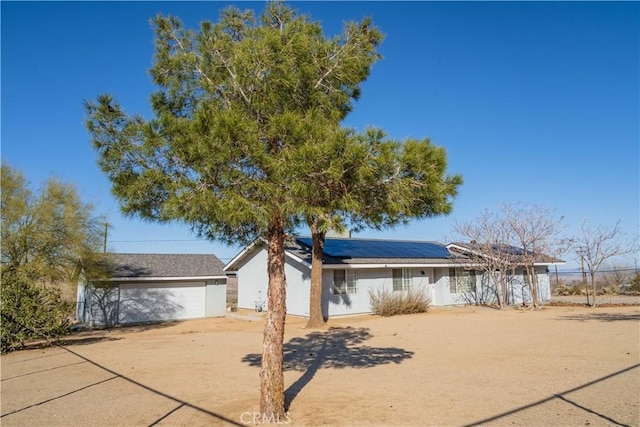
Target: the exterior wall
pixel 216 298
pixel 253 282
pixel 160 301
pixel 103 305
pixel 298 288
pixel 369 280
pixel 443 294
pixel 340 305
pixel 518 290
pixel 143 302
pixel 544 284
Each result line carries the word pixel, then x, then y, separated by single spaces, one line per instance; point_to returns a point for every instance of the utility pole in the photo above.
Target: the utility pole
pixel 584 277
pixel 104 245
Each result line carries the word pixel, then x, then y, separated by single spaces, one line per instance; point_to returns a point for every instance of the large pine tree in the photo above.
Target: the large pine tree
pixel 234 100
pixel 367 180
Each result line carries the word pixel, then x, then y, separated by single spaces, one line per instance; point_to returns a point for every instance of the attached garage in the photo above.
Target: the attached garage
pixel 154 288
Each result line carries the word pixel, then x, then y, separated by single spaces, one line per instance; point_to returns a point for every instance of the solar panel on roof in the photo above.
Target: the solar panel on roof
pixel 360 248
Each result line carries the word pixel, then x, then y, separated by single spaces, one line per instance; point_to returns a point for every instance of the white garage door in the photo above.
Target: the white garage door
pixel 157 301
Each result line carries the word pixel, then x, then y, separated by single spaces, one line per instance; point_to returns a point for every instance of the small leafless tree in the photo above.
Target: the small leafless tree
pixel 516 236
pixel 536 231
pixel 487 234
pixel 597 243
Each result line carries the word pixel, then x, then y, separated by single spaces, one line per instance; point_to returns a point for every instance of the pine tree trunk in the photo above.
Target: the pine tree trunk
pixel 271 370
pixel 316 319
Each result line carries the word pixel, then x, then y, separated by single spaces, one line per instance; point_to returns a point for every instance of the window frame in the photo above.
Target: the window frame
pixel 456 284
pixel 347 285
pixel 403 282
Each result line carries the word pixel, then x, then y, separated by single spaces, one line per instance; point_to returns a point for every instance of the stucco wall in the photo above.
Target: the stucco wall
pixel 216 298
pixel 369 280
pixel 252 287
pixel 253 282
pixel 298 287
pixel 544 284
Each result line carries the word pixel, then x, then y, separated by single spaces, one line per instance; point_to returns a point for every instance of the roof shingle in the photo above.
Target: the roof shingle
pixel 125 265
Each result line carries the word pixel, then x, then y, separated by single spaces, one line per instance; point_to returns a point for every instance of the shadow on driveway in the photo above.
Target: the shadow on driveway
pixel 563 397
pixel 338 347
pixel 112 376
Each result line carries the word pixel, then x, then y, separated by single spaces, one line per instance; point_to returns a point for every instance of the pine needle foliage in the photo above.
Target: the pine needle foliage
pixel 236 100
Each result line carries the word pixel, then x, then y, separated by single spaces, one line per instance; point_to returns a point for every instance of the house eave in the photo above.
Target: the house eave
pixel 539 264
pixel 387 265
pixel 297 258
pixel 242 255
pixel 160 279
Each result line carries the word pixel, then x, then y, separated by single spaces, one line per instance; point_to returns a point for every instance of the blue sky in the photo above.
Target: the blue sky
pixel 535 102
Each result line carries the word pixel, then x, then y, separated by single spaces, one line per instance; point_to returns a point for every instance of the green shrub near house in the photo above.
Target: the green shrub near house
pixel 31 311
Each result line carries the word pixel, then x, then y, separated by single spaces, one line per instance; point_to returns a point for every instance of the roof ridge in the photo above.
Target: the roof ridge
pixel 375 240
pixel 163 254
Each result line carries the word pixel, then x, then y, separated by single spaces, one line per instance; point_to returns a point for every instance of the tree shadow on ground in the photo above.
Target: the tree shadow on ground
pixel 603 317
pixel 335 348
pixel 75 340
pixel 565 397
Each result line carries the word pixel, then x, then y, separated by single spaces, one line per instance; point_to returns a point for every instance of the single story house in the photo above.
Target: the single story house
pixel 353 267
pixel 139 288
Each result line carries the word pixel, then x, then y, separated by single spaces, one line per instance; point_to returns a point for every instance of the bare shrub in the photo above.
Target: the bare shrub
pixel 385 302
pixel 562 289
pixel 634 287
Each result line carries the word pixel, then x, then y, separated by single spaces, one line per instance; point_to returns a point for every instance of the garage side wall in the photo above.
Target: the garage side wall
pixel 216 298
pixel 103 309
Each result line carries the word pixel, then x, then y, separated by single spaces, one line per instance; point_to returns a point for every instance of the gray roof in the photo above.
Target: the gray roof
pixel 123 265
pixel 515 252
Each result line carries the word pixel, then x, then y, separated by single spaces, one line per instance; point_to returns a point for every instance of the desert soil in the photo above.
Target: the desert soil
pixel 452 366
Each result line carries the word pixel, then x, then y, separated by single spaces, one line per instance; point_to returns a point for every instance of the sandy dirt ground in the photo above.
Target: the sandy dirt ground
pixel 559 366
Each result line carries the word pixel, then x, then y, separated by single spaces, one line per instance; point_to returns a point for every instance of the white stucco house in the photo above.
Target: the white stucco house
pixel 353 267
pixel 139 288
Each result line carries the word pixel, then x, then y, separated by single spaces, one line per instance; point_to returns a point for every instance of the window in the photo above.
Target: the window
pixel 345 282
pixel 402 279
pixel 461 280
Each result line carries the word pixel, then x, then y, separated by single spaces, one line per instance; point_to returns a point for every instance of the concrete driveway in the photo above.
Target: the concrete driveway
pixel 59 387
pixel 134 376
pixel 457 366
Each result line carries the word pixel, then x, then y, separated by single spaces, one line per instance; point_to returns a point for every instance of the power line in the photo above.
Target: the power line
pixel 160 240
pixel 599 271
